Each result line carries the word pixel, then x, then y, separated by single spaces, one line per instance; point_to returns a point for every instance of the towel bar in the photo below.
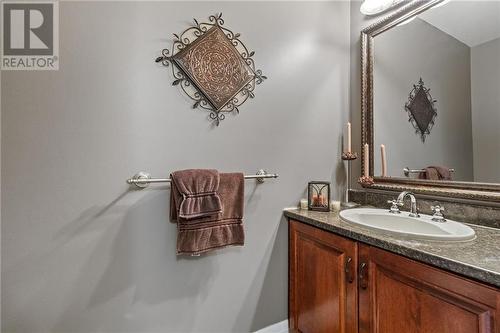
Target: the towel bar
pixel 407 171
pixel 143 179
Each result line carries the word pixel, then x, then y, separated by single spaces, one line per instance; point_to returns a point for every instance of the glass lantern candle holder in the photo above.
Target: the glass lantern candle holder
pixel 318 196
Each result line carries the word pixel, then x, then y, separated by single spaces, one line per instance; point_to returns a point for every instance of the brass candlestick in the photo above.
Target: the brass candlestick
pixel 349 156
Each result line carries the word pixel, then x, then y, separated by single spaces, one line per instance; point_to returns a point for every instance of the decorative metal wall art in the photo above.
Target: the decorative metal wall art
pixel 421 109
pixel 213 67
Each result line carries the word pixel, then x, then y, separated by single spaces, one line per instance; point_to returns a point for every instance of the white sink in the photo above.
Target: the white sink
pixel 411 227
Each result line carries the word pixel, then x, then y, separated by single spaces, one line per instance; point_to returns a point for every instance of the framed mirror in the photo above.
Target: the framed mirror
pixel 431 96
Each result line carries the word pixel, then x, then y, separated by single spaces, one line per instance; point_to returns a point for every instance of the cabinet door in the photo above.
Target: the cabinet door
pixel 399 295
pixel 322 281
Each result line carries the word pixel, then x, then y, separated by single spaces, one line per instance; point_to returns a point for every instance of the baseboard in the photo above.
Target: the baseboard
pixel 281 327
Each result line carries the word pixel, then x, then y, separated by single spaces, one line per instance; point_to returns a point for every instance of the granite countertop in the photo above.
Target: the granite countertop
pixel 478 259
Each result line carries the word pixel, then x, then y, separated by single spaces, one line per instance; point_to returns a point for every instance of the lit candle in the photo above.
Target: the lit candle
pixel 367 157
pixel 384 161
pixel 320 200
pixel 348 137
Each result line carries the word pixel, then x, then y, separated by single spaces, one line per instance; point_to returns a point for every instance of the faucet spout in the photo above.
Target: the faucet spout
pixel 413 202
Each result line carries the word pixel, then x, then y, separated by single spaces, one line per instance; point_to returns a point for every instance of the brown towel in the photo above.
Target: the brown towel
pixel 198 235
pixel 198 189
pixel 436 173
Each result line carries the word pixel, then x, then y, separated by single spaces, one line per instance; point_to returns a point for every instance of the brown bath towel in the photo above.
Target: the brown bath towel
pixel 198 188
pixel 436 173
pixel 199 235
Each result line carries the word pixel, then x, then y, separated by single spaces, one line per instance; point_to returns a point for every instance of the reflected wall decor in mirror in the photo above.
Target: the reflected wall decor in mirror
pixel 421 109
pixel 454 46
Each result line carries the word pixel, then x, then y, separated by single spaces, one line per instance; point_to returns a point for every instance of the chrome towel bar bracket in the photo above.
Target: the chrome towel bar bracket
pixel 143 179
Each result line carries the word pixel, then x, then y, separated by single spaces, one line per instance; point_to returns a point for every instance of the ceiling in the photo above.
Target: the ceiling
pixel 471 22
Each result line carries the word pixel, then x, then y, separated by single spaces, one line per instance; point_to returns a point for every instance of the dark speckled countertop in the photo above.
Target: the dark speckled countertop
pixel 478 259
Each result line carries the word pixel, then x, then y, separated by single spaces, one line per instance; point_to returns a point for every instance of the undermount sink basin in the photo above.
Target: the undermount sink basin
pixel 410 227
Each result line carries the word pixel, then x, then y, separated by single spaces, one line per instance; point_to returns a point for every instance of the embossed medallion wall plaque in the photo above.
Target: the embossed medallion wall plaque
pixel 421 110
pixel 213 67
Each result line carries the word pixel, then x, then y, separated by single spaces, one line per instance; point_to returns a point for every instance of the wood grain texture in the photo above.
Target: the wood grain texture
pixel 403 295
pixel 322 281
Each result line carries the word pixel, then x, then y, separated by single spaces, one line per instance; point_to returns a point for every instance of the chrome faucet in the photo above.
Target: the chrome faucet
pixel 413 202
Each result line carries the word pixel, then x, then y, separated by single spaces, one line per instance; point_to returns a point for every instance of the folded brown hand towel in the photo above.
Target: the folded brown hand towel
pixel 436 173
pixel 444 172
pixel 429 173
pixel 198 189
pixel 198 235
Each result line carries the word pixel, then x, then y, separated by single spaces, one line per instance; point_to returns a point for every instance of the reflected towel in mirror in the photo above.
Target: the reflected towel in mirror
pixel 436 173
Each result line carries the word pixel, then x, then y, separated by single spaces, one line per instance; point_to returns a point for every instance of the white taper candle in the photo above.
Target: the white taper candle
pixel 349 137
pixel 384 160
pixel 366 160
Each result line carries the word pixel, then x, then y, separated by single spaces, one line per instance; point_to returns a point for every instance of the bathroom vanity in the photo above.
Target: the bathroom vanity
pixel 347 278
pixel 429 101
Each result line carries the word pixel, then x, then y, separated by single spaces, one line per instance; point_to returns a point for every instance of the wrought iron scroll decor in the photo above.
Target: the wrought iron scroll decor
pixel 213 67
pixel 421 109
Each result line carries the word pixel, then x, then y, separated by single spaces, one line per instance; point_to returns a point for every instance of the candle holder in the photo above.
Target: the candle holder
pixel 349 156
pixel 318 196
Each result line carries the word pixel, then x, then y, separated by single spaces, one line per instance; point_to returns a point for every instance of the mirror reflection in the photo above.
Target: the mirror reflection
pixel 437 94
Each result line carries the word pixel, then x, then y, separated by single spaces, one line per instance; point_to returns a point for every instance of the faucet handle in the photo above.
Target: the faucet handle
pixel 438 213
pixel 395 204
pixel 437 208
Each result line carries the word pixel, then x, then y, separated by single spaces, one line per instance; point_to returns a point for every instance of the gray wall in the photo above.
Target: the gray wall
pixel 403 55
pixel 485 77
pixel 82 253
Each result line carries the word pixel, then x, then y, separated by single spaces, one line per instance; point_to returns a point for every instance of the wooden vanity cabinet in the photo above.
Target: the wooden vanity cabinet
pixel 397 294
pixel 389 293
pixel 322 281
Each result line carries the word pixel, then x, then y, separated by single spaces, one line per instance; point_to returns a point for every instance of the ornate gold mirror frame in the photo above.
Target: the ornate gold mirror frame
pixel 484 192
